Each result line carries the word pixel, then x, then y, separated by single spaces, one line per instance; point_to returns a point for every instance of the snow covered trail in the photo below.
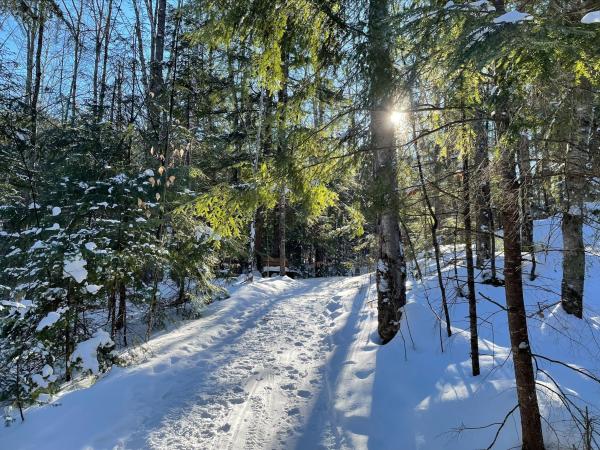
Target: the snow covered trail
pixel 252 374
pixel 295 365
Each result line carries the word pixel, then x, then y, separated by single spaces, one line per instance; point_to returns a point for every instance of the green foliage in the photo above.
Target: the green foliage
pixel 90 235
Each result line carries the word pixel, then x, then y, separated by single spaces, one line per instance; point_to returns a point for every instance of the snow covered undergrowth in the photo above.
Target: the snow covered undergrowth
pixel 288 364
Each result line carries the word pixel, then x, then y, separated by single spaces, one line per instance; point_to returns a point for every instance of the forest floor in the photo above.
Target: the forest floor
pixel 295 364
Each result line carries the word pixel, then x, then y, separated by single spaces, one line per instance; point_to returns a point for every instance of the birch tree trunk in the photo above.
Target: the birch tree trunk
pixel 391 269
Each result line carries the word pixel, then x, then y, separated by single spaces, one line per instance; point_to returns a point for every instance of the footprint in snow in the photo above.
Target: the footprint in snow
pixel 303 393
pixel 333 306
pixel 362 374
pixel 335 314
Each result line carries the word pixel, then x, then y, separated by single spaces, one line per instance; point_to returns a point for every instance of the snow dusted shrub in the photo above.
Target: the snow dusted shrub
pixel 92 239
pixel 94 354
pixel 27 373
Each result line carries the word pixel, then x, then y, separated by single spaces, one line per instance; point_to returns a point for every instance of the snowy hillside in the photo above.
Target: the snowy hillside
pixel 287 364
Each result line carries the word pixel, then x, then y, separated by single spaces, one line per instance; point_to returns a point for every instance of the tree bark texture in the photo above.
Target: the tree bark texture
pixel 470 268
pixel 391 269
pixel 572 221
pixel 531 425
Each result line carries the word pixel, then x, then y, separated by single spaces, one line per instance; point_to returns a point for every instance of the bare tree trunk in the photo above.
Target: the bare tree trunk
pixel 517 320
pixel 573 213
pixel 164 149
pixel 61 79
pixel 140 48
pixel 153 305
pixel 156 86
pixel 99 19
pixel 494 278
pixel 282 147
pixel 113 97
pixel 38 80
pixel 69 333
pixel 531 424
pixel 71 100
pixel 18 389
pixel 526 188
pixel 252 249
pixel 459 288
pixel 119 81
pixel 131 118
pixel 31 30
pixel 107 30
pixel 282 255
pixel 436 247
pixel 122 312
pixel 391 269
pixel 470 269
pixel 484 231
pixel 594 145
pixel 112 307
pixel 436 201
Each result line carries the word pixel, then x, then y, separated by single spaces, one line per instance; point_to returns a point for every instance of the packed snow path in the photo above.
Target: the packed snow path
pixel 295 365
pixel 253 374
